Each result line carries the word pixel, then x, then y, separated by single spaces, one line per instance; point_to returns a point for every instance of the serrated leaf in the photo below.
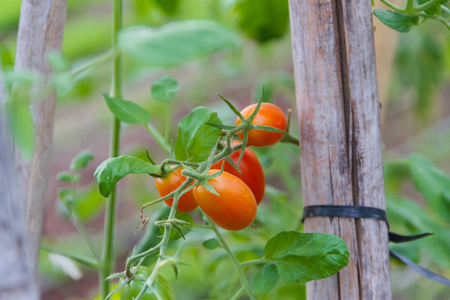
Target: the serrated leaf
pixel 164 89
pixel 113 169
pixel 433 183
pixel 81 160
pixel 266 279
pixel 211 244
pixel 263 20
pixel 127 111
pixel 176 42
pixel 195 138
pixel 302 257
pixel 395 20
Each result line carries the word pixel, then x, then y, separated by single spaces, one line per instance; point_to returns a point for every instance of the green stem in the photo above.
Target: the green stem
pixel 233 258
pixel 106 259
pixel 78 225
pixel 82 260
pixel 157 137
pixel 393 6
pixel 254 262
pixel 97 60
pixel 409 6
pixel 238 294
pixel 424 6
pixel 168 123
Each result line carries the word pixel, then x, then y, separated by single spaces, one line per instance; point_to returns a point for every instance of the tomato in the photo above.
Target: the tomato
pixel 130 290
pixel 252 171
pixel 268 115
pixel 170 183
pixel 234 208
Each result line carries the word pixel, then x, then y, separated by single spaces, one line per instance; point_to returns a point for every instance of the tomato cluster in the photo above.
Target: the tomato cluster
pixel 239 192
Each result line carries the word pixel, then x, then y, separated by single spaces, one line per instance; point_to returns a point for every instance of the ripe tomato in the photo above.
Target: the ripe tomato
pixel 252 171
pixel 268 115
pixel 170 183
pixel 133 287
pixel 234 208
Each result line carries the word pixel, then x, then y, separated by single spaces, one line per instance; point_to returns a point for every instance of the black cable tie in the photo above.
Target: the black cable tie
pixel 421 270
pixel 398 238
pixel 352 211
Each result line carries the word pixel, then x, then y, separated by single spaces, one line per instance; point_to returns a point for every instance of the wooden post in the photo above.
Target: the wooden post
pixel 18 280
pixel 41 28
pixel 341 161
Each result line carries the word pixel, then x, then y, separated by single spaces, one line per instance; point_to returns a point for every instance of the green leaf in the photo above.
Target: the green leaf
pixel 127 111
pixel 211 244
pixel 81 160
pixel 302 257
pixel 266 279
pixel 6 60
pixel 176 42
pixel 113 169
pixel 195 138
pixel 65 195
pixel 168 6
pixel 395 20
pixel 433 183
pixel 89 203
pixel 67 177
pixel 263 20
pixel 21 122
pixel 164 88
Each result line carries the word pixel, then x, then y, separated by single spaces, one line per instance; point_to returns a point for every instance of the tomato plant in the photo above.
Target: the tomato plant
pixel 171 182
pixel 251 171
pixel 132 286
pixel 234 208
pixel 268 115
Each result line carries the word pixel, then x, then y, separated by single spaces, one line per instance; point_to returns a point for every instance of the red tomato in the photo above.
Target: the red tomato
pixel 170 183
pixel 268 115
pixel 252 171
pixel 234 208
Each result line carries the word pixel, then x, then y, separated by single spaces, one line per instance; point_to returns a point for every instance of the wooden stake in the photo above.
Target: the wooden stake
pixel 41 28
pixel 341 160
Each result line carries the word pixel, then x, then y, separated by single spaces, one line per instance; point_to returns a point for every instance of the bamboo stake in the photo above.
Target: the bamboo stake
pixel 341 159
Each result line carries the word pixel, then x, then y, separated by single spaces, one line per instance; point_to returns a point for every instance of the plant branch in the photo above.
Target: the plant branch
pixel 233 258
pixel 107 257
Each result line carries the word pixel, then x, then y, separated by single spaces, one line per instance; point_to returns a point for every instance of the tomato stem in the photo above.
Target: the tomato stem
pixel 234 260
pixel 107 257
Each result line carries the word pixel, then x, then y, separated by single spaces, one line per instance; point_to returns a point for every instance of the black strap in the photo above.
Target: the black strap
pixel 351 211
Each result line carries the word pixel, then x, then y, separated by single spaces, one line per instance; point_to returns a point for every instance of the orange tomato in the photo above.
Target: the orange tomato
pixel 170 183
pixel 234 208
pixel 268 115
pixel 252 171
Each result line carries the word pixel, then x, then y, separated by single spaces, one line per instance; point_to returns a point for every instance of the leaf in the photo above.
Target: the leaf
pixel 66 264
pixel 168 6
pixel 89 203
pixel 21 122
pixel 302 257
pixel 127 111
pixel 395 20
pixel 433 183
pixel 266 279
pixel 6 60
pixel 113 169
pixel 263 20
pixel 195 138
pixel 176 42
pixel 81 160
pixel 164 88
pixel 67 177
pixel 211 244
